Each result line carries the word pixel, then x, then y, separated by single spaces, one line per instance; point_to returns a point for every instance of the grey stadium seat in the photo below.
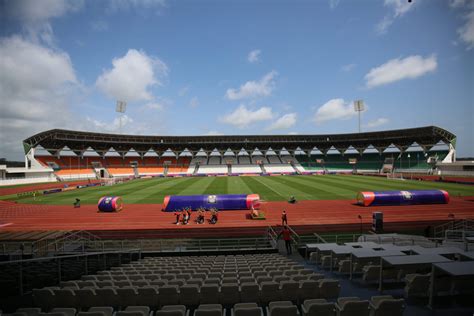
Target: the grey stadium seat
pixel 127 296
pixel 289 291
pixel 168 295
pixel 189 295
pixel 209 294
pixel 318 307
pixel 246 309
pixel 44 298
pixel 352 306
pixel 85 298
pixel 64 311
pixel 229 294
pixel 65 298
pixel 269 291
pixel 282 308
pixel 172 310
pixel 29 311
pixel 249 293
pixel 209 310
pixel 147 296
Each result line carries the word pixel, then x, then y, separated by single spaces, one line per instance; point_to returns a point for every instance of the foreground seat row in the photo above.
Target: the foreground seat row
pixel 189 295
pixel 345 306
pixel 180 280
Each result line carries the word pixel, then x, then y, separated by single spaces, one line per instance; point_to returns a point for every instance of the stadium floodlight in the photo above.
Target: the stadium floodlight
pixel 359 106
pixel 121 107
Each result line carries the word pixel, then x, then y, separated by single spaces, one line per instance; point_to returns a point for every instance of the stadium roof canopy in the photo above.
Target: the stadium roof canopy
pixel 79 142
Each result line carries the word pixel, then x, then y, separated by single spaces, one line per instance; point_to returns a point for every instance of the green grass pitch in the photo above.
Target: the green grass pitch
pixel 277 188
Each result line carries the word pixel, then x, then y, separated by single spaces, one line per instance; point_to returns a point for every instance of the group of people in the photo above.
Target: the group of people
pixel 184 216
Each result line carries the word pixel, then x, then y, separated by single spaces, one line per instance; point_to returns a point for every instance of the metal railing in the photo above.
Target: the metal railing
pixel 463 239
pixel 377 238
pixel 71 240
pixel 319 238
pixel 27 274
pixel 296 239
pixel 189 245
pixel 461 224
pixel 402 240
pixel 336 238
pixel 66 246
pixel 459 235
pixel 272 236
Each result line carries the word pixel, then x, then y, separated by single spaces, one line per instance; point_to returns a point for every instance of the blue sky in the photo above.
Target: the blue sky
pixel 235 67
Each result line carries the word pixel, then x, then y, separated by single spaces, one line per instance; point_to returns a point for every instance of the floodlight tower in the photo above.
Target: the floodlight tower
pixel 359 107
pixel 120 108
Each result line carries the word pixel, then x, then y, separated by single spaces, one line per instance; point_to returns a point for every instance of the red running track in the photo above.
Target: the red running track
pixel 148 221
pixel 43 186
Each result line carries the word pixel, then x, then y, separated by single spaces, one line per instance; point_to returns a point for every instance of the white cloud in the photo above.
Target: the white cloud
pixel 466 32
pixel 36 85
pixel 334 109
pixel 333 4
pixel 254 56
pixel 158 104
pixel 35 16
pixel 38 91
pixel 213 133
pixel 154 106
pixel 348 67
pixel 293 133
pixel 99 25
pixel 126 5
pixel 457 3
pixel 384 24
pixel 194 102
pixel 104 126
pixel 397 69
pixel 284 122
pixel 254 89
pixel 399 8
pixel 377 122
pixel 132 76
pixel 243 117
pixel 41 11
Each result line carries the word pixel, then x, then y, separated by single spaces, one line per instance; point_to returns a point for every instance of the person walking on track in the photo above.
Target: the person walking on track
pixel 284 218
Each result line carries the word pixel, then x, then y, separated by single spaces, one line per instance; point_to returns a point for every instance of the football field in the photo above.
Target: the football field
pixel 272 188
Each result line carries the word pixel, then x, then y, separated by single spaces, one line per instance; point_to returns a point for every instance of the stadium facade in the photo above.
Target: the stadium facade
pixel 64 154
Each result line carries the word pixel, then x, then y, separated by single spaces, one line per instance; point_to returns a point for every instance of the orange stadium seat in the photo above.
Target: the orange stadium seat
pixel 43 160
pixel 71 162
pixel 120 171
pixel 128 160
pixel 184 161
pixel 63 162
pixel 177 169
pixel 114 161
pixel 169 160
pixel 150 161
pixel 89 160
pixel 63 172
pixel 150 170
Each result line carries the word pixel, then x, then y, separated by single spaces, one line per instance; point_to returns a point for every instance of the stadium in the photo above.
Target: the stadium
pixel 323 174
pixel 236 158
